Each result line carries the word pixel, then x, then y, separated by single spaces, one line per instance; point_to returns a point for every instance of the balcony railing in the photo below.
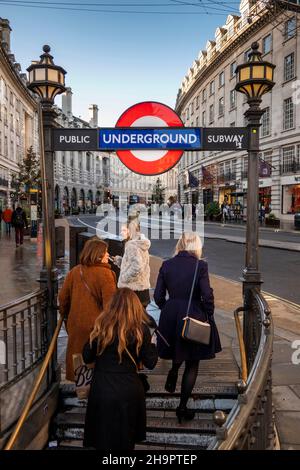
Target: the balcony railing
pixel 226 177
pixel 3 182
pixel 290 167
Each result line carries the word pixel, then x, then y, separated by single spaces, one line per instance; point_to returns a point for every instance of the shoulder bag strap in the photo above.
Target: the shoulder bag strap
pixel 131 357
pixel 192 289
pixel 89 289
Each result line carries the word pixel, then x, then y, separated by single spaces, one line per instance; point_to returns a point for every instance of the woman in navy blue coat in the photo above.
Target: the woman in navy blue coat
pixel 176 278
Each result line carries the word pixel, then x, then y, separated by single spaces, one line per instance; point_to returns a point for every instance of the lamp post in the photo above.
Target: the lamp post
pixel 47 80
pixel 254 79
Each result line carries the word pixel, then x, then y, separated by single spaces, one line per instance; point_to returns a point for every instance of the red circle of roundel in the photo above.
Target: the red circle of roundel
pixel 149 108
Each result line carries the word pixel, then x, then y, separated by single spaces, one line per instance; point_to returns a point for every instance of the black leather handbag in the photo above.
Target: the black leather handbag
pixel 195 330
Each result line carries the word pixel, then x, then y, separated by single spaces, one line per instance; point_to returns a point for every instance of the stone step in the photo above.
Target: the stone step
pixel 156 421
pixel 227 389
pixel 168 402
pixel 146 445
pixel 181 437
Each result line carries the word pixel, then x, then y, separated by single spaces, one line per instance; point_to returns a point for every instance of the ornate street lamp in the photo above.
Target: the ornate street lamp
pixel 47 80
pixel 254 79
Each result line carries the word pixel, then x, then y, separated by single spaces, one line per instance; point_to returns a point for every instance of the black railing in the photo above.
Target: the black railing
pixel 290 167
pixel 23 335
pixel 250 424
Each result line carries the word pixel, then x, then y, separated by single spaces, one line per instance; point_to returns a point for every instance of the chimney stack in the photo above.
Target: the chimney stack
pixel 93 115
pixel 5 30
pixel 67 102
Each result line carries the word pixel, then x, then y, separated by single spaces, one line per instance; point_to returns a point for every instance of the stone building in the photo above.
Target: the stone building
pixel 18 116
pixel 207 98
pixel 81 178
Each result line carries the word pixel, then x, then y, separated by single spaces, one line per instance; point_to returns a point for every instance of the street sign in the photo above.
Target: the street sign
pixel 225 138
pixel 149 114
pixel 75 139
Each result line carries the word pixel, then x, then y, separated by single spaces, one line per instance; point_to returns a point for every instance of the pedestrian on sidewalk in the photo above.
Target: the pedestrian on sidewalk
pixel 135 264
pixel 176 278
pixel 116 410
pixel 87 290
pixel 19 222
pixel 7 217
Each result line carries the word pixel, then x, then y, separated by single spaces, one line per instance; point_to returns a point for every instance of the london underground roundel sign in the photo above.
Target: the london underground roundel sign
pixel 149 114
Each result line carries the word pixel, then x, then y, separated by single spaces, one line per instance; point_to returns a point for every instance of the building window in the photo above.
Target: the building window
pixel 192 107
pixel 232 69
pixel 211 113
pixel 204 118
pixel 221 106
pixel 265 123
pixel 290 28
pixel 197 101
pixel 267 44
pixel 63 158
pixel 288 158
pixel 232 99
pixel 289 67
pixel 187 113
pixel 232 124
pixel 291 199
pixel 221 79
pixel 288 114
pixel 197 122
pixel 212 88
pixel 203 95
pixel 5 146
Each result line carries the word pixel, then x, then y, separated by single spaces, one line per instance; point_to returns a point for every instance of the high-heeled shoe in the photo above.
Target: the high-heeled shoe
pixel 171 381
pixel 184 414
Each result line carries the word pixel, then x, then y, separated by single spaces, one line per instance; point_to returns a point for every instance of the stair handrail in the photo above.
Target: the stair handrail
pixel 243 356
pixel 36 386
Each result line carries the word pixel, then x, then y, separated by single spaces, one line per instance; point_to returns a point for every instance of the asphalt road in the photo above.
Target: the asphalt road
pixel 280 268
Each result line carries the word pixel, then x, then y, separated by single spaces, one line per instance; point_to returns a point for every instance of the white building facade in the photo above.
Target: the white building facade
pixel 207 98
pixel 18 117
pixel 81 178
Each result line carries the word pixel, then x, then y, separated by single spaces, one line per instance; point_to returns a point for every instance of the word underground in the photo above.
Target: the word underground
pixel 150 459
pixel 149 138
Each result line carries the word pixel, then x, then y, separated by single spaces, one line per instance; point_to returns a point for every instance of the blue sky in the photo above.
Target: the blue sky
pixel 116 59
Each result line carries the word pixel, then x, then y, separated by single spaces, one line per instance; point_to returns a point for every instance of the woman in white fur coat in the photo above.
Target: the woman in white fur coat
pixel 134 265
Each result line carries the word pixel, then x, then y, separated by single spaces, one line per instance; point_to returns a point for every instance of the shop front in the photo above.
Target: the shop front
pixel 227 195
pixel 265 195
pixel 291 199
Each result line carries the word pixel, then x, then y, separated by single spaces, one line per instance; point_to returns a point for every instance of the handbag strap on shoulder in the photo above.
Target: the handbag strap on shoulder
pixel 192 289
pixel 131 357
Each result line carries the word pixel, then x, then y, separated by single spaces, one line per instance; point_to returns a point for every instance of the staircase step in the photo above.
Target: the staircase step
pixel 168 402
pixel 228 390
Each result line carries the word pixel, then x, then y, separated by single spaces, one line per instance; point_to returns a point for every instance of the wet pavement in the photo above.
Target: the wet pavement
pixel 19 268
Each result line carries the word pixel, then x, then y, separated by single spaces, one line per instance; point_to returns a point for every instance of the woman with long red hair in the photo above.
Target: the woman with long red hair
pixel 121 339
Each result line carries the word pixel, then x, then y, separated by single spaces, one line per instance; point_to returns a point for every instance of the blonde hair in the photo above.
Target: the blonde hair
pixel 189 241
pixel 123 319
pixel 93 252
pixel 133 229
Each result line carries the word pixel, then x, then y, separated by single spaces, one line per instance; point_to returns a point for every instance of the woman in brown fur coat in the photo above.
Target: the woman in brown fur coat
pixel 87 290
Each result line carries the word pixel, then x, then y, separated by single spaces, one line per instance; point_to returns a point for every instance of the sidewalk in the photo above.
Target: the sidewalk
pixel 263 240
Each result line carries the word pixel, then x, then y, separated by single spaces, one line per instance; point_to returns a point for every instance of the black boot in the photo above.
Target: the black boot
pixel 171 381
pixel 184 414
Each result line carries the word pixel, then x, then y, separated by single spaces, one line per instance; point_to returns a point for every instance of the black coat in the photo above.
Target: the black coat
pixel 176 277
pixel 116 411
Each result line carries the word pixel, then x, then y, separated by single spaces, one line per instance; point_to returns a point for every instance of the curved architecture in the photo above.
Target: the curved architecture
pixel 207 98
